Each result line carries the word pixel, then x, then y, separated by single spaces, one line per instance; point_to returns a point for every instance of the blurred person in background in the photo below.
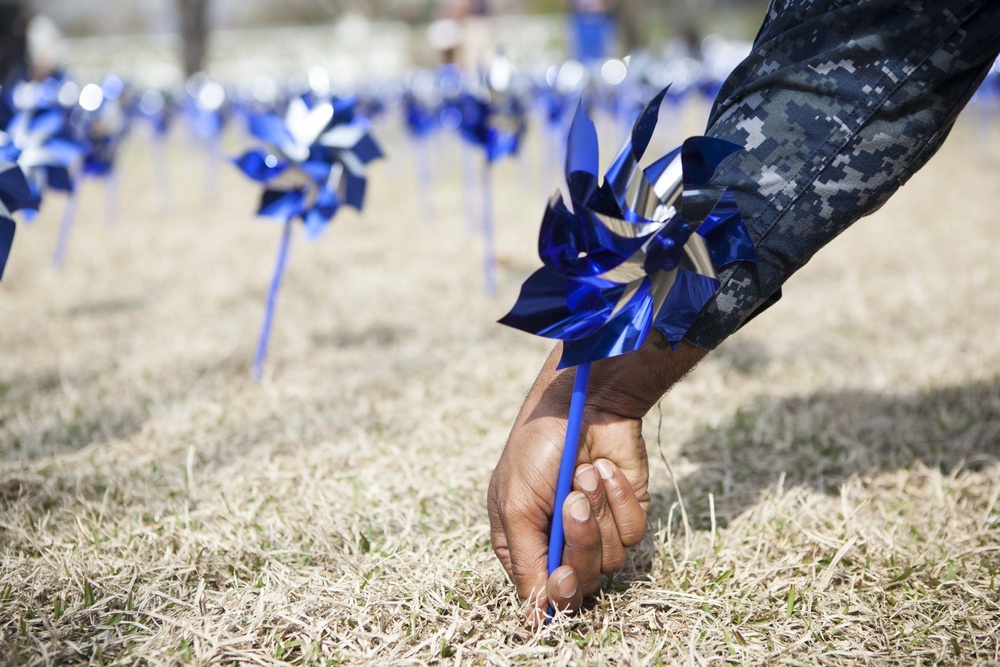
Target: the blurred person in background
pixel 837 105
pixel 46 47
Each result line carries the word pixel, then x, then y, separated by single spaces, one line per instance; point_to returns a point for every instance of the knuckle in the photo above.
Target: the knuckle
pixel 632 532
pixel 613 560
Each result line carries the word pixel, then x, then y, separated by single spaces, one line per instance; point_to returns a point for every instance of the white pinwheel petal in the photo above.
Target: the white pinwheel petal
pixel 295 116
pixel 308 132
pixel 352 163
pixel 35 156
pixel 294 152
pixel 670 184
pixel 336 174
pixel 697 257
pixel 629 271
pixel 628 230
pixel 626 296
pixel 662 282
pixel 343 136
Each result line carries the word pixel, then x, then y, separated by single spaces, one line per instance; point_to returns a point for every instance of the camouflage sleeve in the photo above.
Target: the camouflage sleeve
pixel 838 104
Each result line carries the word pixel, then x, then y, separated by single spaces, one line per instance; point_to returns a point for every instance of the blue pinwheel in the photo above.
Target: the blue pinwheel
pixel 105 124
pixel 312 163
pixel 208 109
pixel 638 252
pixel 497 127
pixel 421 114
pixel 158 109
pixel 40 142
pixel 14 196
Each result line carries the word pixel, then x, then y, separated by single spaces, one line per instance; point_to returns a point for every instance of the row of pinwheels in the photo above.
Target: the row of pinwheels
pixel 51 133
pixel 312 147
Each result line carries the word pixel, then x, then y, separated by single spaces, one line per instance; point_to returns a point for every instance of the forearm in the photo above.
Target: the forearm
pixel 836 107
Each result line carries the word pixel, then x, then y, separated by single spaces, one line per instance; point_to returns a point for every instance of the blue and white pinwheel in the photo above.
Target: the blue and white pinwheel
pixel 638 252
pixel 41 144
pixel 14 196
pixel 497 128
pixel 313 163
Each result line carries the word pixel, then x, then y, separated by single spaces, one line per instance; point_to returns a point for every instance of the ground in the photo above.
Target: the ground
pixel 826 485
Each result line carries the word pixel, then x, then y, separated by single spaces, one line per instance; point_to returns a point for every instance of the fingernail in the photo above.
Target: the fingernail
pixel 566 585
pixel 604 467
pixel 587 479
pixel 580 508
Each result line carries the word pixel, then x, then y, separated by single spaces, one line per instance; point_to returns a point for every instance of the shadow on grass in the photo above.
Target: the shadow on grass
pixel 822 440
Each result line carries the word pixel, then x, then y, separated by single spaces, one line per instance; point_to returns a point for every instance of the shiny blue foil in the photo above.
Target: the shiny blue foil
pixel 6 240
pixel 312 160
pixel 639 251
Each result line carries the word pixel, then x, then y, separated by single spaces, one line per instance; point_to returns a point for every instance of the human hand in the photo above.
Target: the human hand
pixel 606 512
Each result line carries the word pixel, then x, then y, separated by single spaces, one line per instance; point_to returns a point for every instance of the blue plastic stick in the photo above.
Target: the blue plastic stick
pixel 161 173
pixel 567 466
pixel 422 157
pixel 111 199
pixel 272 299
pixel 489 251
pixel 469 179
pixel 62 241
pixel 214 157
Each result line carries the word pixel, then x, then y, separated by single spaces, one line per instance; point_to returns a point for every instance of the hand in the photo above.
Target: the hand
pixel 606 512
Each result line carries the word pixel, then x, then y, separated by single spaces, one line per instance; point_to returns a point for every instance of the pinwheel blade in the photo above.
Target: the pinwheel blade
pixel 625 332
pixel 260 166
pixel 7 228
pixel 582 157
pixel 282 204
pixel 554 306
pixel 14 191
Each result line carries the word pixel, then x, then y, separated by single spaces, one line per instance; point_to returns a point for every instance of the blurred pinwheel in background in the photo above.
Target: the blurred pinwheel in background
pixel 14 196
pixel 638 252
pixel 40 142
pixel 313 162
pixel 157 109
pixel 102 120
pixel 495 120
pixel 99 124
pixel 421 115
pixel 207 110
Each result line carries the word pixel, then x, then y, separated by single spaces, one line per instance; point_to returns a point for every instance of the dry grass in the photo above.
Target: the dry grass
pixel 838 460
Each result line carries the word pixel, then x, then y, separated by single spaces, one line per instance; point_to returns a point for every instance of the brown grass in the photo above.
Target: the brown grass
pixel 837 460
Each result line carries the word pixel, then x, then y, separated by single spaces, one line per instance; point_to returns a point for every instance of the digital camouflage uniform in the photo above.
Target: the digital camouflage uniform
pixel 838 104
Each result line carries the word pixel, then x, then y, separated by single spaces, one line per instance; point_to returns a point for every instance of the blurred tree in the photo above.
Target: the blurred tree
pixel 194 32
pixel 13 41
pixel 628 16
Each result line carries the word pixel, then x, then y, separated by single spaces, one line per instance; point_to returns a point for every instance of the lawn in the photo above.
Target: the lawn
pixel 826 485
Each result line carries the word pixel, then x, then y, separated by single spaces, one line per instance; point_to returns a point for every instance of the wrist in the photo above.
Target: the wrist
pixel 631 384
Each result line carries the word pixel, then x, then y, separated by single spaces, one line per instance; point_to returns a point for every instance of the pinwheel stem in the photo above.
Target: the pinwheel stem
pixel 214 158
pixel 65 227
pixel 111 198
pixel 469 176
pixel 489 249
pixel 160 172
pixel 422 157
pixel 272 299
pixel 567 466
